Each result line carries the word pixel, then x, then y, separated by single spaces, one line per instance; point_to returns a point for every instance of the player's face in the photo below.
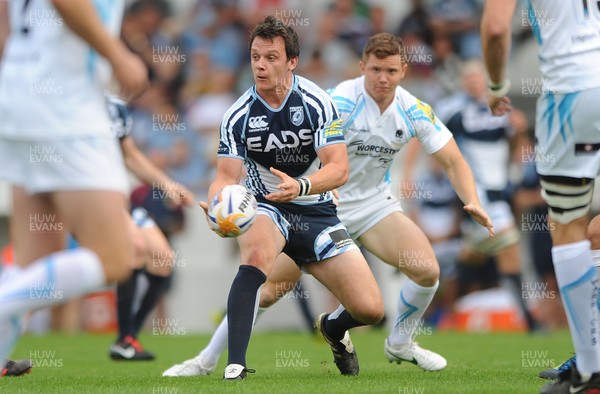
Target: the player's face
pixel 271 69
pixel 382 76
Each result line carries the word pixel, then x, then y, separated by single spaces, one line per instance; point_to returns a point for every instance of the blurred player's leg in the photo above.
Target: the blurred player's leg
pixel 159 265
pixel 509 267
pixel 102 257
pixel 406 247
pixel 156 257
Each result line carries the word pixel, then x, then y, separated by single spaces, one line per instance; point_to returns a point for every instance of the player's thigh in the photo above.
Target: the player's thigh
pixel 96 220
pixel 160 258
pixel 36 229
pixel 261 244
pixel 398 241
pixel 282 279
pixel 349 278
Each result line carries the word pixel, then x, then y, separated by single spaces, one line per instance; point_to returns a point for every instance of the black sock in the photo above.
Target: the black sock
pixel 125 294
pixel 336 328
pixel 156 288
pixel 513 283
pixel 240 311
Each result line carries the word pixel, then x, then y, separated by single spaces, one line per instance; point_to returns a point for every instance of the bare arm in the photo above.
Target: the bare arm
pixel 229 172
pixel 81 17
pixel 495 42
pixel 460 175
pixel 148 173
pixel 334 173
pixel 4 27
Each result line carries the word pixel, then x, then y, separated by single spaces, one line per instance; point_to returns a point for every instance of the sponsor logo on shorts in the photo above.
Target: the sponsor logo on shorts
pixel 341 238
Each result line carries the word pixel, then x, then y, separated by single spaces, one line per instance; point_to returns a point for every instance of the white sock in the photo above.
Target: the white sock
pixel 577 281
pixel 10 331
pixel 51 280
pixel 7 273
pixel 218 342
pixel 335 314
pixel 413 302
pixel 596 259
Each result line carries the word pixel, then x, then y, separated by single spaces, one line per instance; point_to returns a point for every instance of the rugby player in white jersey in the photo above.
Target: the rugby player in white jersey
pixel 567 154
pixel 59 154
pixel 379 118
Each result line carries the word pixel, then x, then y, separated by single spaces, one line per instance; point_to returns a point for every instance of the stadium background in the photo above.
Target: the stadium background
pixel 197 55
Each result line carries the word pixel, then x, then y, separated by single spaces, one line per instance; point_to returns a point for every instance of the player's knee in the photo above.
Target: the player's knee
pixel 139 252
pixel 117 272
pixel 368 312
pixel 259 258
pixel 372 315
pixel 117 263
pixel 427 277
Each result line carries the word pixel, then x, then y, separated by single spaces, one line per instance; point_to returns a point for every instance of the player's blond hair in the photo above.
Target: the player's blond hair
pixel 383 45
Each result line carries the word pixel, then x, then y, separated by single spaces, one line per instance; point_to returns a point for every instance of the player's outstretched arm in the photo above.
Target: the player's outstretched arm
pixel 229 172
pixel 496 41
pixel 150 174
pixel 461 177
pixel 333 174
pixel 81 17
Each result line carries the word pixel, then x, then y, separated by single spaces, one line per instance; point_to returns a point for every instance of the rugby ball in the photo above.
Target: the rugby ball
pixel 232 211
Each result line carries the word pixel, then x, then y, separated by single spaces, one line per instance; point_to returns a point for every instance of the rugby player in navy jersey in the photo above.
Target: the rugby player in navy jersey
pixel 283 116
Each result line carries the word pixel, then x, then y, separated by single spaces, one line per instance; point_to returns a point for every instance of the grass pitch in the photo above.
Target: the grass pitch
pixel 292 363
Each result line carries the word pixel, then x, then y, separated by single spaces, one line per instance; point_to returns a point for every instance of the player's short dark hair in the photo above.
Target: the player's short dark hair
pixel 160 6
pixel 383 45
pixel 270 28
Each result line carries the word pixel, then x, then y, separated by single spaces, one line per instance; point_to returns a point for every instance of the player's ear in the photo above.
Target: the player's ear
pixel 293 63
pixel 361 65
pixel 403 69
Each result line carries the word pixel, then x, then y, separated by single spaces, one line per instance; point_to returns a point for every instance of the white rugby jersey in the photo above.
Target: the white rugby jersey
pixel 374 139
pixel 568 32
pixel 286 138
pixel 52 82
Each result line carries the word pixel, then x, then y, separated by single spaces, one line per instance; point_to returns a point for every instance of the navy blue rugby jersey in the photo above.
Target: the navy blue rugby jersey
pixel 286 138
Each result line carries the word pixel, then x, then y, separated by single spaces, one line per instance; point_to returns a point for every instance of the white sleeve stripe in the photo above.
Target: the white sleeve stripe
pixel 313 104
pixel 230 137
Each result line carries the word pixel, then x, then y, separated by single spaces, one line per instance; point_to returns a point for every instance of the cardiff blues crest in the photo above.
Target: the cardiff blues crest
pixel 297 115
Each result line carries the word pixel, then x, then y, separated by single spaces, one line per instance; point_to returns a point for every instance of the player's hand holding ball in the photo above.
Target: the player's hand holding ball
pixel 231 212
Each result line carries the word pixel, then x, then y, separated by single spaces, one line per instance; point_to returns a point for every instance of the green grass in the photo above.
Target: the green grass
pixel 292 363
